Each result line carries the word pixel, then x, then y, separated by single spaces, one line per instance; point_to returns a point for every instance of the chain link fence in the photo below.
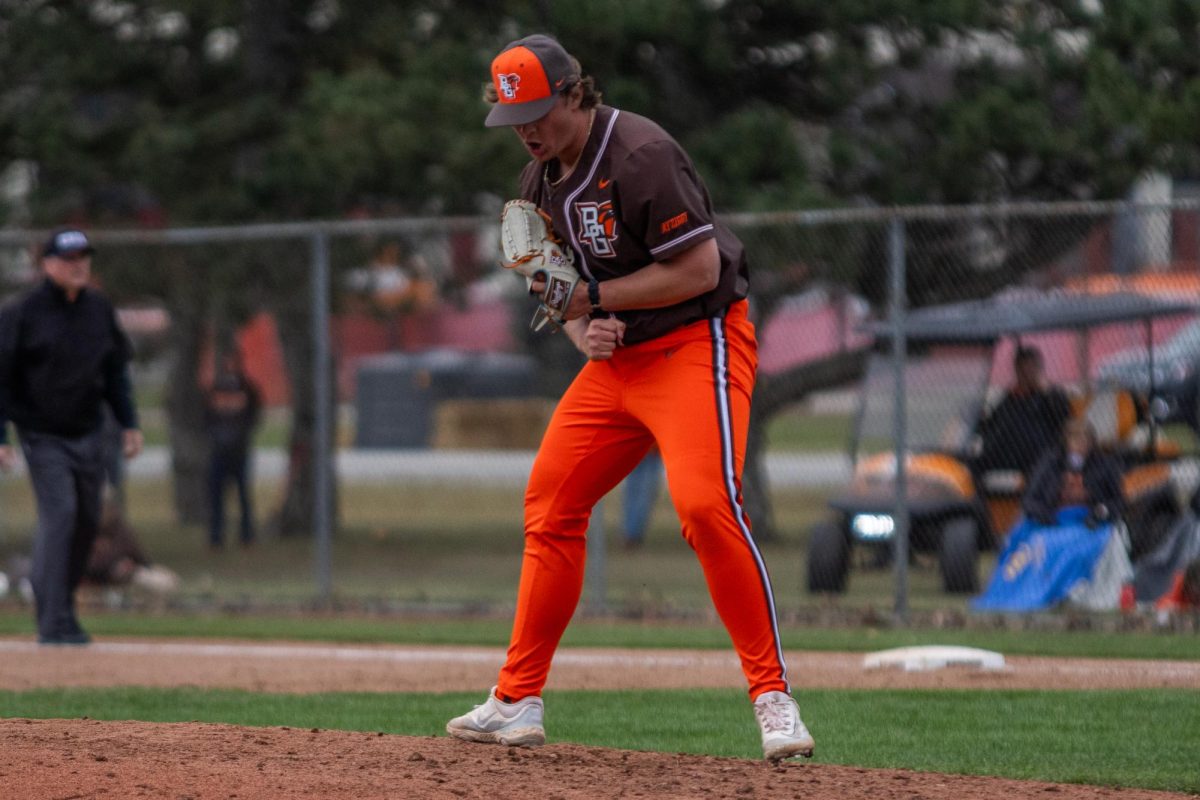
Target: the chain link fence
pixel 404 396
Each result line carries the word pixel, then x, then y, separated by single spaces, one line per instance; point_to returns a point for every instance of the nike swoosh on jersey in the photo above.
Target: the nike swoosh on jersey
pixel 603 183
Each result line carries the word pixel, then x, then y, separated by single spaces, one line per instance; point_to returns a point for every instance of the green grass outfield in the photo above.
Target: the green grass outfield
pixel 435 545
pixel 593 632
pixel 1144 738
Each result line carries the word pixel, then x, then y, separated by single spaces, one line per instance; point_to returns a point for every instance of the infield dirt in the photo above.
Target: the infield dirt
pixel 93 759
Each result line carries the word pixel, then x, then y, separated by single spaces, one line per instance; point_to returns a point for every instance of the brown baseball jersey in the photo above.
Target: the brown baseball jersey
pixel 635 198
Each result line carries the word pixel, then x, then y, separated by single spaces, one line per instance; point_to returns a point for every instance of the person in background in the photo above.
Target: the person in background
pixel 641 491
pixel 1075 474
pixel 63 357
pixel 395 287
pixel 1028 421
pixel 118 558
pixel 231 415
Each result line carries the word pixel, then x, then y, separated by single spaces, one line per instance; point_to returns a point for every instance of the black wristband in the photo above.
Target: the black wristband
pixel 594 295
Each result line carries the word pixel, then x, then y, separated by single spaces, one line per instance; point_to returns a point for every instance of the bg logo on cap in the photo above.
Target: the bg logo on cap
pixel 67 241
pixel 508 85
pixel 527 76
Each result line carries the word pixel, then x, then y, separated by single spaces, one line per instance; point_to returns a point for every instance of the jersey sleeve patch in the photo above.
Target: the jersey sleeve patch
pixel 663 200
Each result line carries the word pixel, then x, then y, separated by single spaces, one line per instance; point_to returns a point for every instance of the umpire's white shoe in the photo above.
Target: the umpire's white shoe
pixel 516 724
pixel 783 732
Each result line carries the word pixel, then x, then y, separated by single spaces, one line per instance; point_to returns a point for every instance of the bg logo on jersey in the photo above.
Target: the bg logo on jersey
pixel 597 227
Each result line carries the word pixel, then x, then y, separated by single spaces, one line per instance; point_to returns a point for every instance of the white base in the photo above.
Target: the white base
pixel 919 659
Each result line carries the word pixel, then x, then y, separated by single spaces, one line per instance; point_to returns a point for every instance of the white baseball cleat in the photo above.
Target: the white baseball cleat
pixel 783 732
pixel 516 724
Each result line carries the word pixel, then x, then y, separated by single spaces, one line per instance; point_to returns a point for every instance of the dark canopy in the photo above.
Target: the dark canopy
pixel 1016 313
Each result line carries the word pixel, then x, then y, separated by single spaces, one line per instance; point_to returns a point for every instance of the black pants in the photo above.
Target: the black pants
pixel 223 468
pixel 67 476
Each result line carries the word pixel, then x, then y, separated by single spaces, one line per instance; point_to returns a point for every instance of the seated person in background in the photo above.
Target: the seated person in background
pixel 117 558
pixel 1027 422
pixel 396 280
pixel 1075 474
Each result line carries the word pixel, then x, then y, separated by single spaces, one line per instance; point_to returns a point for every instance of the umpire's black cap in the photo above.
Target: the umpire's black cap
pixel 67 241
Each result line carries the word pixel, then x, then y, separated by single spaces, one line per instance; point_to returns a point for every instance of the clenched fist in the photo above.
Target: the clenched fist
pixel 603 337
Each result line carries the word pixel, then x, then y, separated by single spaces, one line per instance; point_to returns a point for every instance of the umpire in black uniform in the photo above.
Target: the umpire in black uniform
pixel 62 355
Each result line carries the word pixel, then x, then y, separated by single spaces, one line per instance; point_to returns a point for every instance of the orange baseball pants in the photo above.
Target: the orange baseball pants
pixel 689 391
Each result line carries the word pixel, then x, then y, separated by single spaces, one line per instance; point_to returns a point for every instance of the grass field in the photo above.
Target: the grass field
pixel 600 632
pixel 1057 736
pixel 457 544
pixel 793 429
pixel 460 545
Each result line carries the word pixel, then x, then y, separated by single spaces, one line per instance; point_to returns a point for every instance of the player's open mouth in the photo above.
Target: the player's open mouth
pixel 535 148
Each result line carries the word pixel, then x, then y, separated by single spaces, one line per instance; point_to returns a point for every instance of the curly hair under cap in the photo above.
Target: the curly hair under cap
pixel 591 95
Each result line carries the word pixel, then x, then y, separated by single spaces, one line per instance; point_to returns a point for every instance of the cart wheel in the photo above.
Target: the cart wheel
pixel 828 558
pixel 959 556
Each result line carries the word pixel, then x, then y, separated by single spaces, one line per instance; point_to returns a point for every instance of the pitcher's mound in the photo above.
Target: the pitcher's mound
pixel 89 758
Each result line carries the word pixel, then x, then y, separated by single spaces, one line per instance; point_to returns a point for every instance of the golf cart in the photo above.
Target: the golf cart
pixel 955 354
pixel 1176 374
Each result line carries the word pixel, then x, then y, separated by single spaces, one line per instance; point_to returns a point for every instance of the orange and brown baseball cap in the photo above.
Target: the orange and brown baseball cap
pixel 528 75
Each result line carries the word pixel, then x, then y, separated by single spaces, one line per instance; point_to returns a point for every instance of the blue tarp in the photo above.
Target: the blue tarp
pixel 1041 563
